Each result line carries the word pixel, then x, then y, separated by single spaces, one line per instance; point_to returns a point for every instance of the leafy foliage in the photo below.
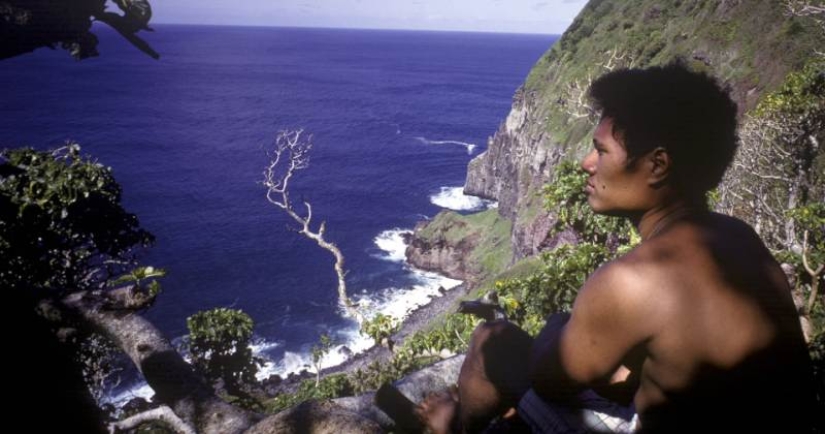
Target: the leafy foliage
pixel 566 197
pixel 331 386
pixel 810 220
pixel 219 345
pixel 62 227
pixel 320 350
pixel 528 301
pixel 810 259
pixel 138 275
pixel 380 328
pixel 452 333
pixel 776 181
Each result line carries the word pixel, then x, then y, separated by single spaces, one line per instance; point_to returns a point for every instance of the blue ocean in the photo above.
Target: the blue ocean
pixel 395 116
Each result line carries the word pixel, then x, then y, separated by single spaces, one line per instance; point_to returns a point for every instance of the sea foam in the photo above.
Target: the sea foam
pixel 454 198
pixel 392 245
pixel 470 146
pixel 398 302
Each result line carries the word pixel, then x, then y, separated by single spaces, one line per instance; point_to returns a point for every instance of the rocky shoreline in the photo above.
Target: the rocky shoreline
pixel 418 320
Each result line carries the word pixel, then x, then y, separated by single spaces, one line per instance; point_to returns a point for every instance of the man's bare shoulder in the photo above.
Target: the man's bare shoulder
pixel 628 276
pixel 623 287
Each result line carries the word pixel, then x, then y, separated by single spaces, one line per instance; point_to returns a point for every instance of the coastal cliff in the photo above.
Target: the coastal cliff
pixel 462 247
pixel 754 46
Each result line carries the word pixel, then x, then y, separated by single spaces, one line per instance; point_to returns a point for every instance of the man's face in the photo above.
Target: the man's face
pixel 613 187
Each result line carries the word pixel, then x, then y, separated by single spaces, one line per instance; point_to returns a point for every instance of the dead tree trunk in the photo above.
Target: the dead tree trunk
pixel 291 154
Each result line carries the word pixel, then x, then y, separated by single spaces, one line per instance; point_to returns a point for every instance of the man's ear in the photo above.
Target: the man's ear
pixel 660 166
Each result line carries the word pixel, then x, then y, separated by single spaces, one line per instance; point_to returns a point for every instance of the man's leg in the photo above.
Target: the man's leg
pixel 493 377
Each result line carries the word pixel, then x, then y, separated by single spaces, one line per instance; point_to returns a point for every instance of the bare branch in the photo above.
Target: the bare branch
pixel 814 272
pixel 617 60
pixel 291 154
pixel 162 414
pixel 807 8
pixel 575 101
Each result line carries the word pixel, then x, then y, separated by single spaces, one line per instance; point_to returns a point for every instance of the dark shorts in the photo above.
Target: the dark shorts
pixel 596 415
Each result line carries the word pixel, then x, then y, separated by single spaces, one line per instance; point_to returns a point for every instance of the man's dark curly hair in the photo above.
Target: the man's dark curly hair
pixel 687 113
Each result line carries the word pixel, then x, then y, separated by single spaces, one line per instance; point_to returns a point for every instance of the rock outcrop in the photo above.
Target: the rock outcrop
pixel 438 253
pixel 468 248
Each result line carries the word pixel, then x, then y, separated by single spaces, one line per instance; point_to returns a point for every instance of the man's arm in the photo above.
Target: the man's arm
pixel 608 320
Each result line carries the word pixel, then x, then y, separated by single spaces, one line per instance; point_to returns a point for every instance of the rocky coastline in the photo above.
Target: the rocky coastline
pixel 418 320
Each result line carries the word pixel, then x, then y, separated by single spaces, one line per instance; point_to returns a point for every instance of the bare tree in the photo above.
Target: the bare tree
pixel 807 8
pixel 812 9
pixel 291 154
pixel 764 181
pixel 574 99
pixel 617 59
pixel 814 271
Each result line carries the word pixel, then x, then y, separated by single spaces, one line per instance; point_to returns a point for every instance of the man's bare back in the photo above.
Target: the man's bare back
pixel 712 317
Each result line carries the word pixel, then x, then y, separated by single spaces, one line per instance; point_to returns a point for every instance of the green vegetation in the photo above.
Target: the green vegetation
pixel 64 232
pixel 140 274
pixel 319 351
pixel 62 227
pixel 331 386
pixel 380 328
pixel 810 220
pixel 219 346
pixel 565 197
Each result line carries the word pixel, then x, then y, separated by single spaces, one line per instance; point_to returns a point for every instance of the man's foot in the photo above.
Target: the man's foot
pixel 439 410
pixel 399 408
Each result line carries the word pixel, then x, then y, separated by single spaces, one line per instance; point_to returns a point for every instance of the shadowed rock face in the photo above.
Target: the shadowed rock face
pixel 442 256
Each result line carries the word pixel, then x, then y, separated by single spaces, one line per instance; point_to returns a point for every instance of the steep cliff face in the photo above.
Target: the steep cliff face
pixel 751 45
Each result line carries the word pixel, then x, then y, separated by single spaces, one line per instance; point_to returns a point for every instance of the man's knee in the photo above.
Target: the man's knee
pixel 493 330
pixel 501 350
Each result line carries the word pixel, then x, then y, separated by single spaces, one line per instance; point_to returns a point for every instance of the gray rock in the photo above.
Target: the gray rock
pixel 316 417
pixel 415 386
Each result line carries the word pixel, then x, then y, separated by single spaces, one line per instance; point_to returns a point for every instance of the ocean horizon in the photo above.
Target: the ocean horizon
pixel 395 116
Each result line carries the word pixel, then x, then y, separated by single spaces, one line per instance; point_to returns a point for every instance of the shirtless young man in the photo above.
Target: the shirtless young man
pixel 695 326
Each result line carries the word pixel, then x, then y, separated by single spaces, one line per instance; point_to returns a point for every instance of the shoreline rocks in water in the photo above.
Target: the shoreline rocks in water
pixel 418 320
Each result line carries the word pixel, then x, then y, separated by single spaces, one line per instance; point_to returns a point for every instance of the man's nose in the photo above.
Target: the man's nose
pixel 588 164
